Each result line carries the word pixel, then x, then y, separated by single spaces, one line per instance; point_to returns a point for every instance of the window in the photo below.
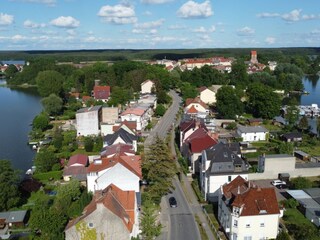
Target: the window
pixel 247 238
pixel 229 178
pixel 90 225
pixel 235 223
pixel 248 225
pixel 262 224
pixel 234 237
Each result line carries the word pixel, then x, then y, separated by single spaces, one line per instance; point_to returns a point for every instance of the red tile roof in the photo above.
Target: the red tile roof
pixel 121 203
pixel 133 163
pixel 85 98
pixel 135 111
pixel 200 89
pixel 78 159
pixel 197 145
pixel 120 149
pixel 192 110
pixel 132 125
pixel 101 92
pixel 252 199
pixel 195 100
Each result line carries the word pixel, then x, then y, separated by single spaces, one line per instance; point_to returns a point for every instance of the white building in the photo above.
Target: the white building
pixel 248 212
pixel 138 115
pixel 123 171
pixel 220 164
pixel 252 133
pixel 147 86
pixel 207 96
pixel 88 121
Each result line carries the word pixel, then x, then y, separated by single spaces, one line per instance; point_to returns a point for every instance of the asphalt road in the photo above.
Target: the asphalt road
pixel 181 223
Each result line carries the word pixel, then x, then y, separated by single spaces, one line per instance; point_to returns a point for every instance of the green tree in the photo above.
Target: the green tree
pixel 228 104
pixel 45 159
pixel 159 169
pixel 120 95
pixel 149 226
pixel 11 71
pixel 301 183
pixel 239 75
pixel 263 102
pixel 88 144
pixel 285 147
pixel 162 97
pixel 303 123
pixel 52 104
pixel 41 121
pixel 160 110
pixel 49 82
pixel 9 180
pixel 283 235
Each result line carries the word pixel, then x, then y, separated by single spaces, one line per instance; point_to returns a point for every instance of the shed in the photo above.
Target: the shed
pixel 284 177
pixel 302 155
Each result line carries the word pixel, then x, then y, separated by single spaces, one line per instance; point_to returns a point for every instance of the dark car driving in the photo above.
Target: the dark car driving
pixel 173 202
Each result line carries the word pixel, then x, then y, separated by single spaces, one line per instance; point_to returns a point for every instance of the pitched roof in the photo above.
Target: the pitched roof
pixel 292 135
pixel 77 172
pixel 13 216
pixel 199 144
pixel 121 203
pixel 192 123
pixel 119 149
pixel 223 159
pixel 101 92
pixel 146 81
pixel 132 125
pixel 195 100
pixel 251 129
pixel 123 134
pixel 78 159
pixel 251 199
pixel 135 111
pixel 89 109
pixel 192 110
pixel 200 89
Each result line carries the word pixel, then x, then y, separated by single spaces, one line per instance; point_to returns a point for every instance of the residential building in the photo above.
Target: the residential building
pixel 147 87
pixel 121 136
pixel 110 114
pixel 292 137
pixel 207 96
pixel 187 127
pixel 88 121
pixel 11 220
pixel 113 213
pixel 252 133
pixel 119 149
pixel 196 103
pixel 220 164
pixel 123 171
pixel 193 146
pixel 76 168
pixel 246 211
pixel 101 93
pixel 138 115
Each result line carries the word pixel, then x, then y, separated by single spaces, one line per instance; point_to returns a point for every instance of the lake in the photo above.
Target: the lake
pixel 18 108
pixel 313 87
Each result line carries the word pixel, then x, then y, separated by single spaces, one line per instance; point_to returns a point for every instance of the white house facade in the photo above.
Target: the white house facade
pixel 88 121
pixel 146 86
pixel 252 133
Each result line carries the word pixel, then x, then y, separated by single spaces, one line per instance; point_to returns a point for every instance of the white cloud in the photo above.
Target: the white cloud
pixel 65 22
pixel 71 32
pixel 29 24
pixel 153 31
pixel 18 38
pixel 310 17
pixel 293 16
pixel 245 31
pixel 176 27
pixel 147 13
pixel 315 32
pixel 6 19
pixel 270 40
pixel 153 24
pixel 118 14
pixel 155 1
pixel 268 15
pixel 193 9
pixel 204 30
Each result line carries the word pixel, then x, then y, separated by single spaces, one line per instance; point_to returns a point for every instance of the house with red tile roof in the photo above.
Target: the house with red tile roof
pixel 247 211
pixel 124 171
pixel 117 149
pixel 101 93
pixel 200 106
pixel 138 115
pixel 193 146
pixel 76 168
pixel 188 126
pixel 113 213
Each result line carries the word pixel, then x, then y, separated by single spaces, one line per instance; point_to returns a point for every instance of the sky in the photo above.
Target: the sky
pixel 158 24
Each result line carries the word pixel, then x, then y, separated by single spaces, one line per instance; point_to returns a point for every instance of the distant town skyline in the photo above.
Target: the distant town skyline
pixel 158 24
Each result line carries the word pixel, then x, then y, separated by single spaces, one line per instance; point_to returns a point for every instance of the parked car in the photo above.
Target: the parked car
pixel 278 182
pixel 173 202
pixel 282 186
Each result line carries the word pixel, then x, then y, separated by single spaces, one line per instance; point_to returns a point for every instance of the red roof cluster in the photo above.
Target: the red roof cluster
pixel 101 92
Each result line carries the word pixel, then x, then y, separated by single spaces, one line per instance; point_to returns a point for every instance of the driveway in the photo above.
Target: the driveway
pixel 280 193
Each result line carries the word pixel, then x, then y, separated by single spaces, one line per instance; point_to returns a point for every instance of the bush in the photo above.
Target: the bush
pixel 301 183
pixel 56 167
pixel 88 144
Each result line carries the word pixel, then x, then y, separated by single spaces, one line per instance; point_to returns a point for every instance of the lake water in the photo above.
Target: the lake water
pixel 18 107
pixel 313 87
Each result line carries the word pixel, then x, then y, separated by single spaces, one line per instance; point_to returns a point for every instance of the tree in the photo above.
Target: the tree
pixel 303 123
pixel 228 104
pixel 88 144
pixel 159 169
pixel 11 71
pixel 149 226
pixel 283 235
pixel 52 104
pixel 45 159
pixel 41 121
pixel 263 102
pixel 285 147
pixel 239 75
pixel 162 97
pixel 301 183
pixel 9 180
pixel 160 110
pixel 120 95
pixel 49 82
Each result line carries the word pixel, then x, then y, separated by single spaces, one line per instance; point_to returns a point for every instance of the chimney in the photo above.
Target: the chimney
pixel 96 82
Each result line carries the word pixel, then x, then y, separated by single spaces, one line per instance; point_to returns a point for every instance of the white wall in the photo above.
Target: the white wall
pixel 253 137
pixel 91 177
pixel 147 87
pixel 88 123
pixel 132 117
pixel 208 96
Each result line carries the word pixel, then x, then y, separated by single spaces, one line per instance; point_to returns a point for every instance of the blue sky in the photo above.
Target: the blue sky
pixel 157 24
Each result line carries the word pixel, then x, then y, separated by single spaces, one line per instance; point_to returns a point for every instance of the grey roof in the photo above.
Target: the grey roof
pixel 224 160
pixel 90 109
pixel 14 216
pixel 127 137
pixel 281 120
pixel 278 156
pixel 292 135
pixel 251 129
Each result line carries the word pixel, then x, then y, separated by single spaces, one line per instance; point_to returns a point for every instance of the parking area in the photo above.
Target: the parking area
pixel 281 193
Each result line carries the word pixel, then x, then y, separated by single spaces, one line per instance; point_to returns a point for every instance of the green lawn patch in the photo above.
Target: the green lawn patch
pixel 48 176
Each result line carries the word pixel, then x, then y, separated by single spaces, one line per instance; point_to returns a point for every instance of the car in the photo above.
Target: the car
pixel 278 182
pixel 281 186
pixel 173 202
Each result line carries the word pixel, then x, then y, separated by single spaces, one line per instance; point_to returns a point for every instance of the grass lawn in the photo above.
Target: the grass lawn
pixel 312 150
pixel 83 151
pixel 45 177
